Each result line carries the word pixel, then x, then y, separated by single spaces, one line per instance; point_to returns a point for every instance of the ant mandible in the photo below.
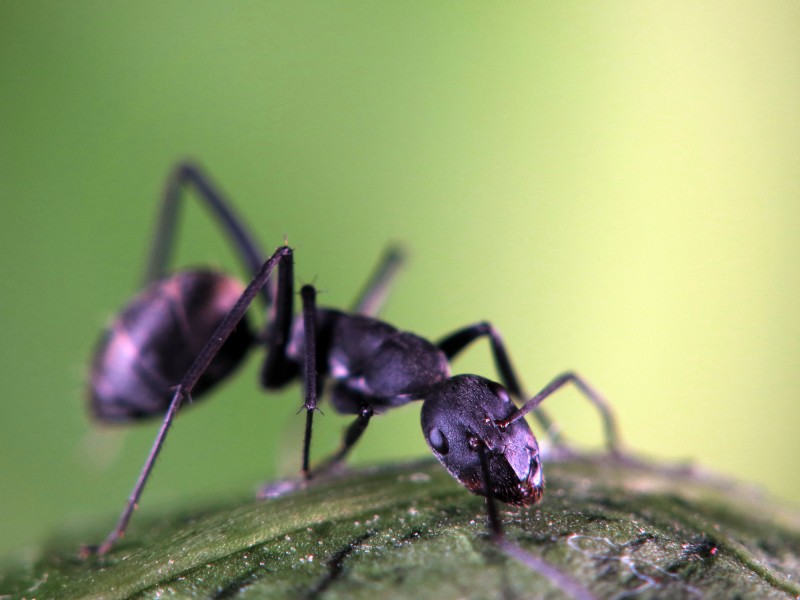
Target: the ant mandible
pixel 190 329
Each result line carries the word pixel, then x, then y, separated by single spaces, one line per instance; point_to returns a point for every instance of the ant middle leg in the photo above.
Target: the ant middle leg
pixel 347 401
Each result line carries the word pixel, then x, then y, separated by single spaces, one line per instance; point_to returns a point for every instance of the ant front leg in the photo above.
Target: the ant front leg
pixel 187 383
pixel 278 368
pixel 560 579
pixel 312 384
pixel 454 343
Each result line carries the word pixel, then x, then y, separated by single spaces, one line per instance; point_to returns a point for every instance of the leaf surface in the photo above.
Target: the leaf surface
pixel 410 531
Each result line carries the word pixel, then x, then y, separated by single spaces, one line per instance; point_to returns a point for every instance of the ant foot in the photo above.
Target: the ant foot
pixel 281 487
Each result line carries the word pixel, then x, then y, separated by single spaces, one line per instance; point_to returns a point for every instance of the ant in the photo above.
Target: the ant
pixel 190 328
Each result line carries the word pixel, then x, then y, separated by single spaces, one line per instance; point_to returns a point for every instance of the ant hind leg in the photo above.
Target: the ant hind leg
pixel 184 390
pixel 189 175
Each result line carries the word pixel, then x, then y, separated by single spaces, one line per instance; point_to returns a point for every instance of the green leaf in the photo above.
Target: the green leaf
pixel 410 531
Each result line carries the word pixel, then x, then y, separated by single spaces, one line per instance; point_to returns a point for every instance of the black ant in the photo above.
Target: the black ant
pixel 187 331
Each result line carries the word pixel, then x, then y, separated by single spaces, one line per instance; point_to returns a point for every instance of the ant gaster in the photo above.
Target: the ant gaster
pixel 188 331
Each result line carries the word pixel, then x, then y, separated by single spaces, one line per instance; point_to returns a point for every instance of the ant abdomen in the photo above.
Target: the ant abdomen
pixel 151 343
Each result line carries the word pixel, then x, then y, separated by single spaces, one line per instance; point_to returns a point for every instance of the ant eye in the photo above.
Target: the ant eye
pixel 437 441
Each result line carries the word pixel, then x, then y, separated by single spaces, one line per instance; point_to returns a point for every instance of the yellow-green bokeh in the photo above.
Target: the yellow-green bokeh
pixel 615 185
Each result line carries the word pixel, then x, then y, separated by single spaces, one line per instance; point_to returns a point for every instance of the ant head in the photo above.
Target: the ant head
pixel 459 416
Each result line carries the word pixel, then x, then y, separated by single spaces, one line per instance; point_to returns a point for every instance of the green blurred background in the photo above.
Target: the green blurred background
pixel 614 185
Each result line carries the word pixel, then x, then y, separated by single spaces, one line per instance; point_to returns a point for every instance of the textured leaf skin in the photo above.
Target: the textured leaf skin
pixel 409 531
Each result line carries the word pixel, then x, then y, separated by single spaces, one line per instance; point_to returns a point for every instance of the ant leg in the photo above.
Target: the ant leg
pixel 329 465
pixel 187 383
pixel 183 175
pixel 373 296
pixel 609 423
pixel 458 340
pixel 310 376
pixel 563 581
pixel 278 370
pixel 311 379
pixel 352 434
